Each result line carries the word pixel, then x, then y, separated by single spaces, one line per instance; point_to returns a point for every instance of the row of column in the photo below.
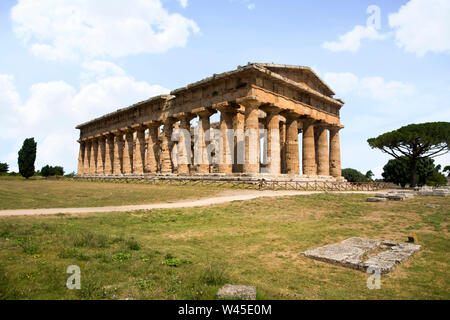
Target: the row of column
pixel 118 153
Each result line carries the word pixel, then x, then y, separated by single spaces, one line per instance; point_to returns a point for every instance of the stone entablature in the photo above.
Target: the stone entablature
pixel 249 99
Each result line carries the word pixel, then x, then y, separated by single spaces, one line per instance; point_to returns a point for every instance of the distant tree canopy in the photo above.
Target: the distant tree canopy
pixel 353 175
pixel 447 169
pixel 4 167
pixel 414 142
pixel 27 156
pixel 369 175
pixel 398 171
pixel 48 171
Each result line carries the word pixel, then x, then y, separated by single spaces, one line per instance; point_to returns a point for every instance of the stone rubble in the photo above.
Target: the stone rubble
pixel 241 292
pixel 361 254
pixel 376 199
pixel 388 260
pixel 391 195
pixel 442 191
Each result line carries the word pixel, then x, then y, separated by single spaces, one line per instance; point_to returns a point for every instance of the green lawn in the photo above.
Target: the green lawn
pixel 189 253
pixel 18 193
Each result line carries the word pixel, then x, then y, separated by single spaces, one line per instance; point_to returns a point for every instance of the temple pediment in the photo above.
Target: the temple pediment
pixel 300 74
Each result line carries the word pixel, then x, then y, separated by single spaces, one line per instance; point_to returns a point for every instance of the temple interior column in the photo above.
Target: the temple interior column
pixel 166 161
pixel 273 143
pixel 251 128
pixel 184 144
pixel 94 155
pixel 139 155
pixel 101 156
pixel 87 157
pixel 152 148
pixel 309 152
pixel 335 152
pixel 173 146
pixel 118 152
pixel 292 153
pixel 323 160
pixel 239 142
pixel 80 170
pixel 283 146
pixel 226 143
pixel 109 154
pixel 202 139
pixel 127 162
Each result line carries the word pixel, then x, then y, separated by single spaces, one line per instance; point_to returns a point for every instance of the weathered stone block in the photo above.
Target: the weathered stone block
pixel 375 199
pixel 352 253
pixel 241 292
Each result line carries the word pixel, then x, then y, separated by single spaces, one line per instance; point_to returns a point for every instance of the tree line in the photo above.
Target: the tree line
pixel 26 159
pixel 412 147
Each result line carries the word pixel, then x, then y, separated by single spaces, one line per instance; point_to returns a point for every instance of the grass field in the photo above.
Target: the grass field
pixel 189 253
pixel 18 193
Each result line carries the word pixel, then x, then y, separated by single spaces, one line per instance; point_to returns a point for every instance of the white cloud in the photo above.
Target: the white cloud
pixel 251 6
pixel 423 26
pixel 66 30
pixel 379 89
pixel 183 3
pixel 342 83
pixel 53 109
pixel 351 41
pixel 8 94
pixel 374 87
pixel 95 70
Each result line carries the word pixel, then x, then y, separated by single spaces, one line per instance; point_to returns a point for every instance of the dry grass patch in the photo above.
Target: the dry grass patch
pixel 41 193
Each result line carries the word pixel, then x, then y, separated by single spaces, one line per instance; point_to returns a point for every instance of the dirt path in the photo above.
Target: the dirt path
pixel 227 196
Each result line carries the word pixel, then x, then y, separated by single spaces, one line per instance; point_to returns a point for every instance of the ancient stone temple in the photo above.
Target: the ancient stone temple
pixel 263 110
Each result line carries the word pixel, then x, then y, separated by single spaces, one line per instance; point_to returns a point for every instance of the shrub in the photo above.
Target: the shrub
pixel 4 167
pixel 398 171
pixel 353 175
pixel 48 171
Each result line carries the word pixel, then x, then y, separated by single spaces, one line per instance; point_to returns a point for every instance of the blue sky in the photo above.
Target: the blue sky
pixel 65 62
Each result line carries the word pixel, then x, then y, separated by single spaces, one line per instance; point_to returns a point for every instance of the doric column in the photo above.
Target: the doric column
pixel 323 160
pixel 292 154
pixel 239 141
pixel 118 152
pixel 100 169
pixel 184 144
pixel 139 155
pixel 81 156
pixel 87 157
pixel 127 164
pixel 335 152
pixel 309 152
pixel 94 155
pixel 283 146
pixel 151 163
pixel 173 146
pixel 251 128
pixel 226 143
pixel 202 137
pixel 273 142
pixel 109 154
pixel 166 161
